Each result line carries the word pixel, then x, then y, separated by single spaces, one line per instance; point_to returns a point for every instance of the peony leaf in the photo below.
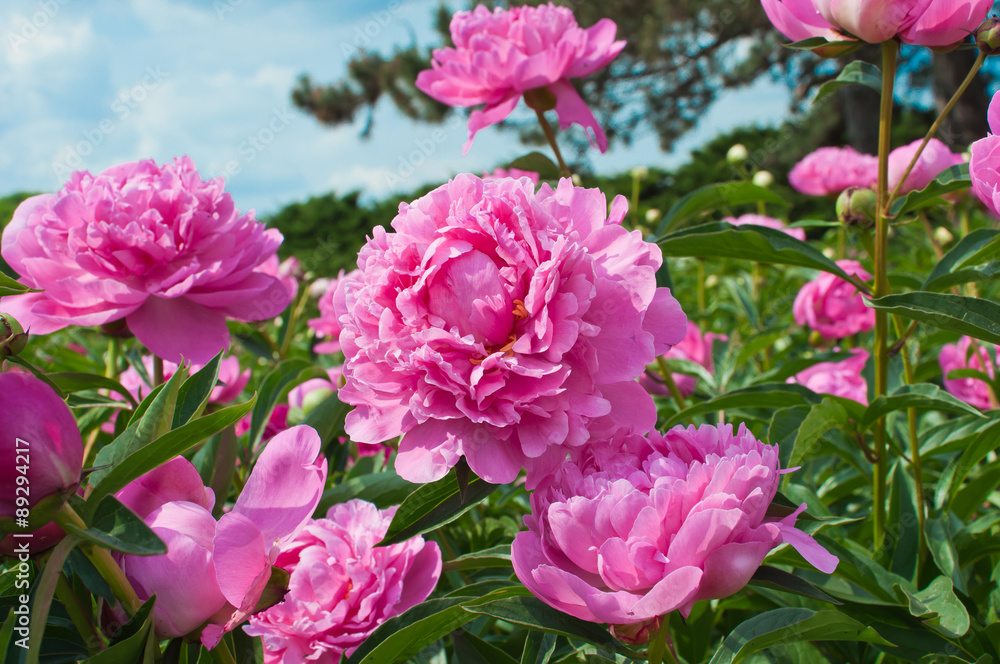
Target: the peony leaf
pixel 282 378
pixel 938 607
pixel 772 577
pixel 974 258
pixel 9 286
pixel 193 394
pixel 955 472
pixel 940 536
pixel 532 613
pixel 434 505
pixel 132 641
pixel 116 527
pixel 714 197
pixel 788 625
pixel 972 316
pixel 470 649
pixel 538 647
pixel 497 556
pixel 74 381
pixel 904 537
pixel 754 243
pixel 923 396
pixel 768 395
pixel 857 72
pixel 537 162
pixel 954 178
pixel 384 489
pixel 826 415
pixel 164 448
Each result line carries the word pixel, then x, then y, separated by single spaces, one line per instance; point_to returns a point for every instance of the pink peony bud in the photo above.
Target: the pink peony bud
pixel 832 306
pixel 342 586
pixel 42 452
pixel 973 391
pixel 842 379
pixel 633 528
pixel 505 54
pixel 155 246
pixel 502 325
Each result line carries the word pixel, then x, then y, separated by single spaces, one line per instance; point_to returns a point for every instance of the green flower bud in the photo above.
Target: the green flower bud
pixel 737 154
pixel 12 336
pixel 856 206
pixel 540 99
pixel 988 36
pixel 763 179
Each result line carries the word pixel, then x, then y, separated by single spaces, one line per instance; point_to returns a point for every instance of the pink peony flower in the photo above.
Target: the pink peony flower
pixel 176 480
pixel 633 528
pixel 327 324
pixel 920 22
pixel 832 306
pixel 516 173
pixel 501 325
pixel 42 450
pixel 694 347
pixel 500 55
pixel 842 379
pixel 984 166
pixel 935 158
pixel 342 586
pixel 768 222
pixel 157 246
pixel 973 391
pixel 276 502
pixel 829 171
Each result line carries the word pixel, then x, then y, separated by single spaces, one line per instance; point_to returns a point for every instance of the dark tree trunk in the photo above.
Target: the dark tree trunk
pixel 967 121
pixel 859 106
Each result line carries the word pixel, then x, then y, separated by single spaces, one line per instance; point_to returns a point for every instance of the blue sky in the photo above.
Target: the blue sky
pixel 87 84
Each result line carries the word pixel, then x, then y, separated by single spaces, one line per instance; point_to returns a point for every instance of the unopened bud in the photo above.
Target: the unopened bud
pixel 988 36
pixel 763 179
pixel 737 154
pixel 856 206
pixel 12 336
pixel 829 252
pixel 577 180
pixel 711 281
pixel 637 634
pixel 943 236
pixel 640 172
pixel 653 215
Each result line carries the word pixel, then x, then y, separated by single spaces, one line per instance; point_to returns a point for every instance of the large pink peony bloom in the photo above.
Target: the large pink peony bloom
pixel 832 306
pixel 157 246
pixel 935 158
pixel 829 171
pixel 500 55
pixel 842 379
pixel 342 586
pixel 921 22
pixel 767 222
pixel 634 528
pixel 39 442
pixel 973 391
pixel 984 166
pixel 502 325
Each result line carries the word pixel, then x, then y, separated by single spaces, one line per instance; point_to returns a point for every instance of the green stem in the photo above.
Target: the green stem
pixel 550 136
pixel 668 379
pixel 103 562
pixel 701 286
pixel 79 615
pixel 934 127
pixel 841 242
pixel 43 595
pixel 294 312
pixel 879 475
pixel 659 648
pixel 222 654
pixel 114 346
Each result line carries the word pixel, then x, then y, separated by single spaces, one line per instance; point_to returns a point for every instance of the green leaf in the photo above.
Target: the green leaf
pixel 193 394
pixel 9 286
pixel 952 179
pixel 814 43
pixel 327 418
pixel 532 613
pixel 538 647
pixel 772 577
pixel 903 533
pixel 955 472
pixel 284 376
pixel 827 414
pixel 789 625
pixel 130 643
pixel 433 505
pixel 164 448
pixel 940 539
pixel 938 607
pixel 384 489
pixel 768 395
pixel 783 429
pixel 857 72
pixel 74 381
pixel 973 258
pixel 753 243
pixel 403 636
pixel 151 419
pixel 539 163
pixel 471 649
pixel 715 197
pixel 116 527
pixel 971 316
pixel 922 396
pixel 497 556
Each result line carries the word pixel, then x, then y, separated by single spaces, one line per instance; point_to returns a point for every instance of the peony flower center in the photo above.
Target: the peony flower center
pixel 469 295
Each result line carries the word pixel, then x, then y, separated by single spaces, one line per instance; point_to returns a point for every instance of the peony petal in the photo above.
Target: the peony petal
pixel 179 329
